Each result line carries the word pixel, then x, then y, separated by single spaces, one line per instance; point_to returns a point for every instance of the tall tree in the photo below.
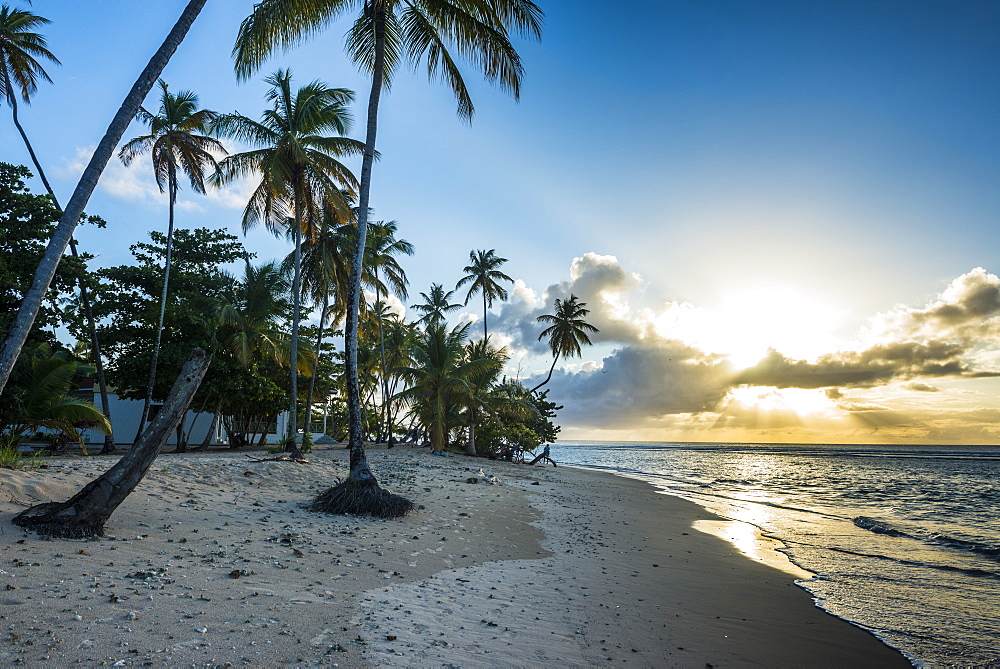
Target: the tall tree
pixel 484 276
pixel 88 182
pixel 176 139
pixel 19 69
pixel 325 269
pixel 20 49
pixel 383 247
pixel 440 377
pixel 567 331
pixel 298 162
pixel 436 305
pixel 432 32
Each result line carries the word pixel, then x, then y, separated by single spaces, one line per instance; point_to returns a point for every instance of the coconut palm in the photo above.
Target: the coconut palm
pixel 383 247
pixel 440 377
pixel 49 402
pixel 176 140
pixel 436 305
pixel 481 398
pixel 19 74
pixel 567 332
pixel 20 49
pixel 297 146
pixel 325 269
pixel 484 277
pixel 46 270
pixel 386 32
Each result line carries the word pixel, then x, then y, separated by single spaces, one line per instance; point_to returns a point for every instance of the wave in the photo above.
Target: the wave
pixel 882 527
pixel 879 527
pixel 968 571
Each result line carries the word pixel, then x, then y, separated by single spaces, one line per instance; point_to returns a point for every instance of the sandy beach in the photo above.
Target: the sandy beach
pixel 213 561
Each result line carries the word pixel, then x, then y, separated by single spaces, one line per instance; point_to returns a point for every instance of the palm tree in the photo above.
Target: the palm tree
pixel 325 269
pixel 436 305
pixel 485 278
pixel 386 32
pixel 298 162
pixel 481 397
pixel 175 140
pixel 440 377
pixel 19 69
pixel 46 270
pixel 567 332
pixel 49 402
pixel 383 247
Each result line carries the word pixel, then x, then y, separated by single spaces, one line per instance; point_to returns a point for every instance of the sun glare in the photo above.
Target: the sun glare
pixel 800 401
pixel 750 321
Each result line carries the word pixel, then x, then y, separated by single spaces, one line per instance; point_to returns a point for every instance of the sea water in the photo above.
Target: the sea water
pixel 903 540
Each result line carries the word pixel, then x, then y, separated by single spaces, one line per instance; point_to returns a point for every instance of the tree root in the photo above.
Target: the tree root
pixel 60 519
pixel 361 498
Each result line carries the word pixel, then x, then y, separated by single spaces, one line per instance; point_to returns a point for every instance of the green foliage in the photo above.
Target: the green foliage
pixel 27 221
pixel 509 436
pixel 127 302
pixel 47 401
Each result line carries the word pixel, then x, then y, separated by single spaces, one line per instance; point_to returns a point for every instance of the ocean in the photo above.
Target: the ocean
pixel 903 540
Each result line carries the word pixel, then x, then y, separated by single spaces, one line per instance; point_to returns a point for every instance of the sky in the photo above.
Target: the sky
pixel 781 215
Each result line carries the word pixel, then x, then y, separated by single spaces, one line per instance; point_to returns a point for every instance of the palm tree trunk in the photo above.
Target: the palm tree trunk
pixel 172 187
pixel 32 301
pixel 384 423
pixel 84 514
pixel 556 357
pixel 109 439
pixel 291 442
pixel 359 469
pixel 470 446
pixel 209 436
pixel 486 334
pixel 315 369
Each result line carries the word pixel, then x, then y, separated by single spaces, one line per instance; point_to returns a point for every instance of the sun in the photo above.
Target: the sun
pixel 799 401
pixel 749 321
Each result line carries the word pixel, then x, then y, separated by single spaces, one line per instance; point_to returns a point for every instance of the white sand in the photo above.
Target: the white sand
pixel 212 561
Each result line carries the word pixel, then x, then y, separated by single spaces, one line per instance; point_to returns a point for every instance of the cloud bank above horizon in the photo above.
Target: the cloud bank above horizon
pixel 663 371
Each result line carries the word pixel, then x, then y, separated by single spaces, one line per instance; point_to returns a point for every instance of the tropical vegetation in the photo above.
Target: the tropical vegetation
pixel 373 374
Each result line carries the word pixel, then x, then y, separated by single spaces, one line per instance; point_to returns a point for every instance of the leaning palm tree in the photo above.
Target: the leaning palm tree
pixel 19 74
pixel 432 32
pixel 46 270
pixel 484 277
pixel 297 159
pixel 383 247
pixel 436 305
pixel 176 140
pixel 567 332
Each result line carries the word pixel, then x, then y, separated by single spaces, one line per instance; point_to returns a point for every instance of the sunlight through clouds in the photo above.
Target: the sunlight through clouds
pixel 772 362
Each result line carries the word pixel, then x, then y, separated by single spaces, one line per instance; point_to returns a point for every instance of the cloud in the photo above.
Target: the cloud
pixel 968 310
pixel 636 383
pixel 136 183
pixel 658 374
pixel 878 365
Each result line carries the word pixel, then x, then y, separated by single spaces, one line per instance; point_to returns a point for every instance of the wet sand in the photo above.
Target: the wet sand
pixel 212 560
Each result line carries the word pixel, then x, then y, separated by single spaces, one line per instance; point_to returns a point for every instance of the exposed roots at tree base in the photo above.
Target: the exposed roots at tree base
pixel 361 498
pixel 59 519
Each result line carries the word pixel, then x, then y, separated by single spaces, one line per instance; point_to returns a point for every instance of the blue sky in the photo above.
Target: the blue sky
pixel 739 172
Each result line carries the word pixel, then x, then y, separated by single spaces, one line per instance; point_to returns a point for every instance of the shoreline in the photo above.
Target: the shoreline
pixel 211 559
